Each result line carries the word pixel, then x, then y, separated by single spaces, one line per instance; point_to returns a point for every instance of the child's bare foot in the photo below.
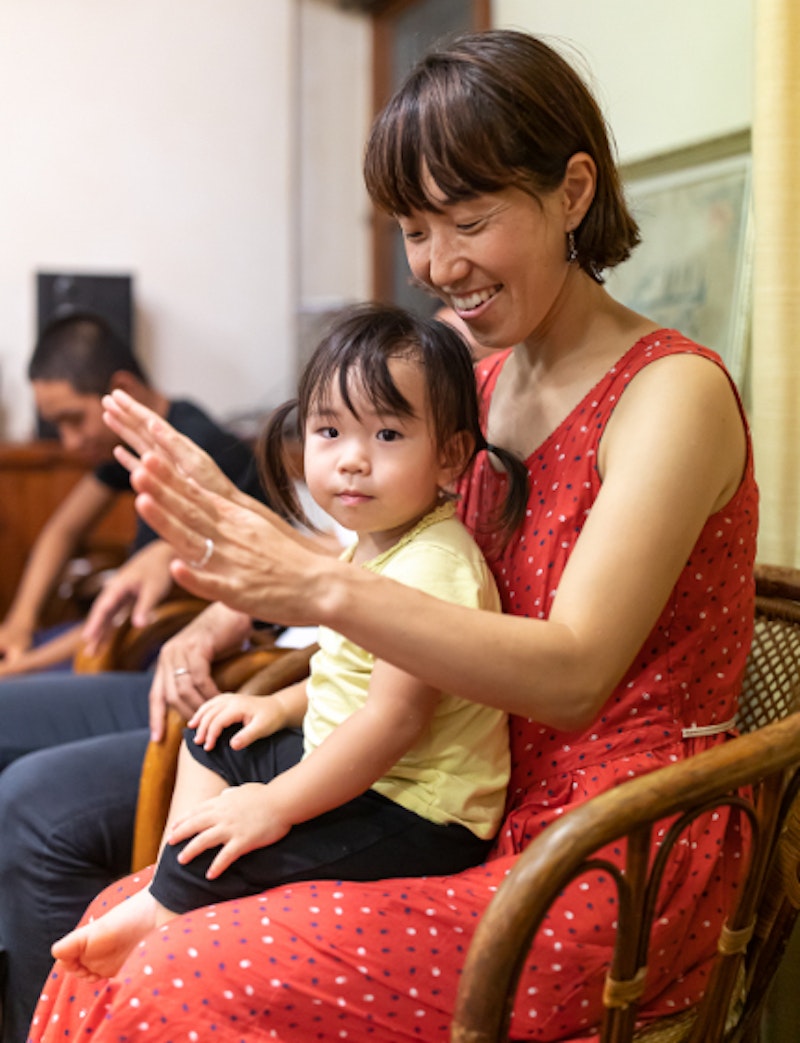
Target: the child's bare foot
pixel 99 948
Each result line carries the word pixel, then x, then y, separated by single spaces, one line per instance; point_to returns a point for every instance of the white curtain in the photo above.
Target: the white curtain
pixel 775 402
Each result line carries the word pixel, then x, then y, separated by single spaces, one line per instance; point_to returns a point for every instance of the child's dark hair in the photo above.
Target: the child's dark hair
pixel 356 350
pixel 82 349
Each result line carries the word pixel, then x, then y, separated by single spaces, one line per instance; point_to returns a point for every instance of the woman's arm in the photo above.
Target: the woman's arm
pixel 59 649
pixel 358 752
pixel 673 453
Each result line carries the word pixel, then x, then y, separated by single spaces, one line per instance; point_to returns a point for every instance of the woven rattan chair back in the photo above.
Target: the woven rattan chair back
pixel 758 775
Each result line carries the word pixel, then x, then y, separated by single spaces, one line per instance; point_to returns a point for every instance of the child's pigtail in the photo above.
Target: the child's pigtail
pixel 273 469
pixel 516 500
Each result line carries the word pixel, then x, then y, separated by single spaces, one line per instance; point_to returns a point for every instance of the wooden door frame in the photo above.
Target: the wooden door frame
pixel 382 28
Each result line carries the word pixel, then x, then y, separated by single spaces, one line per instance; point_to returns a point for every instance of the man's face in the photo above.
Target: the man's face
pixel 77 417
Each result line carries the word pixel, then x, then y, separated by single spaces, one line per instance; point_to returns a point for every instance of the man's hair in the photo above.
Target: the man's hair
pixel 83 349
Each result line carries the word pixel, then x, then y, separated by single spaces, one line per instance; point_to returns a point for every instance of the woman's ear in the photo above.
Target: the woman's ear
pixel 578 187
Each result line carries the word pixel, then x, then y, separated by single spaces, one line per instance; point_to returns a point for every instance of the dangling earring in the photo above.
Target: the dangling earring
pixel 572 249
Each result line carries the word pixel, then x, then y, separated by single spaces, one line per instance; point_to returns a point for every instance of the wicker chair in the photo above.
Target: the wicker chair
pixel 765 761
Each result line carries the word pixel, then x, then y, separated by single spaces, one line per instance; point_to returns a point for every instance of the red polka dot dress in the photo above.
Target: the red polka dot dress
pixel 333 961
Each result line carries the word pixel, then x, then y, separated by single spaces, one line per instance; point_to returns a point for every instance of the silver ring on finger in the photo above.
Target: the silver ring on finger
pixel 205 557
pixel 181 670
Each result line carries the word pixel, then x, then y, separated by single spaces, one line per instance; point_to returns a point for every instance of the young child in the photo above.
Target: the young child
pixel 388 777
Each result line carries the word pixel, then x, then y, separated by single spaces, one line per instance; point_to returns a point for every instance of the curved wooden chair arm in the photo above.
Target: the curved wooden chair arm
pixel 759 773
pixel 132 648
pixel 258 671
pixel 566 848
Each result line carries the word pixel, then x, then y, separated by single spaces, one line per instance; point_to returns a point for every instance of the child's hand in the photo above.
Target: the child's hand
pixel 240 819
pixel 260 715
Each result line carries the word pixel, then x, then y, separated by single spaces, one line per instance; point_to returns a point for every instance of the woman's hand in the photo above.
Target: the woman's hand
pixel 143 430
pixel 251 561
pixel 240 819
pixel 260 715
pixel 183 672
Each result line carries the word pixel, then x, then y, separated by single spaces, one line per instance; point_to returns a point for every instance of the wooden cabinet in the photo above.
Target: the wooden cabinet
pixel 34 478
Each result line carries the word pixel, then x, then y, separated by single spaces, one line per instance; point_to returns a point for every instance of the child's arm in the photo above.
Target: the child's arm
pixel 398 710
pixel 65 527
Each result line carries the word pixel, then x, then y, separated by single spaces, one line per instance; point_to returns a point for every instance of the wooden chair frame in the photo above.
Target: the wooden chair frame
pixel 765 761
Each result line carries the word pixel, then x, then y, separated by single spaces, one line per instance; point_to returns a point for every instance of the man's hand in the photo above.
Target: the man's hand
pixel 183 671
pixel 14 641
pixel 143 582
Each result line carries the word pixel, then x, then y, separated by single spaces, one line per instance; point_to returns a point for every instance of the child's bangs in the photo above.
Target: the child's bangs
pixel 364 375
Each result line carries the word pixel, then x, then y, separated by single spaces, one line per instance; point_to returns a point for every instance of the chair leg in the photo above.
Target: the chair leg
pixel 782 1013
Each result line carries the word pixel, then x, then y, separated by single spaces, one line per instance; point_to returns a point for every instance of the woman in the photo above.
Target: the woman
pixel 627 590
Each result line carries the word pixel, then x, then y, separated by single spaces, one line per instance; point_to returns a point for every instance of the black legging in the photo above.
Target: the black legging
pixel 368 838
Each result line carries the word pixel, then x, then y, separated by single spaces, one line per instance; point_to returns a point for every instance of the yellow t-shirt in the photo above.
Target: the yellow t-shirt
pixel 458 770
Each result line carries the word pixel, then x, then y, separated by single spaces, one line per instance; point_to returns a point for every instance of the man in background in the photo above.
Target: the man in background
pixel 77 360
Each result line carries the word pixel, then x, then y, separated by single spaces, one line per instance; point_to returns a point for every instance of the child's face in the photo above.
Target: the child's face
pixel 375 474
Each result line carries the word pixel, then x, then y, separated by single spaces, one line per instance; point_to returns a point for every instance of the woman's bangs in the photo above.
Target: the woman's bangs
pixel 427 139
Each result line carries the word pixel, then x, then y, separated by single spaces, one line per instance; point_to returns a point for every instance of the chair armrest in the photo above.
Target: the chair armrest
pixel 570 845
pixel 132 648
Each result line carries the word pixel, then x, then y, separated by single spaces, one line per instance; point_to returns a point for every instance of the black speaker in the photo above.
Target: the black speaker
pixel 59 294
pixel 110 296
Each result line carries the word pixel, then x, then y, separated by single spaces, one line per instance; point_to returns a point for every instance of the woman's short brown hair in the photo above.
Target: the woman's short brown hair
pixel 492 110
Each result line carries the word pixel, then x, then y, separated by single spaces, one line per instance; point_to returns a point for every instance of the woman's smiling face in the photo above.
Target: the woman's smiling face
pixel 498 259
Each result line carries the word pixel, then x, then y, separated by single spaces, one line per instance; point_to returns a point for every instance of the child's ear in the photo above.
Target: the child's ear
pixel 455 456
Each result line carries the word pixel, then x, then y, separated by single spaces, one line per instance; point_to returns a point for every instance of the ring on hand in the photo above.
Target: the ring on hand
pixel 181 670
pixel 205 557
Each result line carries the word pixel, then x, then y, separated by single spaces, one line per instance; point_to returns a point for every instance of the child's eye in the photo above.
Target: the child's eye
pixel 328 432
pixel 387 434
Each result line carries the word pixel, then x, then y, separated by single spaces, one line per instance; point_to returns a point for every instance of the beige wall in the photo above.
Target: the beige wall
pixel 667 75
pixel 166 139
pixel 214 150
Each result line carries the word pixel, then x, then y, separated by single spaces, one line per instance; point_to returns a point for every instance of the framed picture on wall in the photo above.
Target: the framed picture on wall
pixel 693 269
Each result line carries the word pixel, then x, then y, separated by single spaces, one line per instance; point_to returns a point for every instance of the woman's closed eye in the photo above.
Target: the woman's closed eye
pixel 466 227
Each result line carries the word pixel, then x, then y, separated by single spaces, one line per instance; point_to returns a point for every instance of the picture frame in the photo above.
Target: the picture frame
pixel 693 269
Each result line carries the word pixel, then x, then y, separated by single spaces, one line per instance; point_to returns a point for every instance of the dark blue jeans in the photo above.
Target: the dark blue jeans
pixel 74 746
